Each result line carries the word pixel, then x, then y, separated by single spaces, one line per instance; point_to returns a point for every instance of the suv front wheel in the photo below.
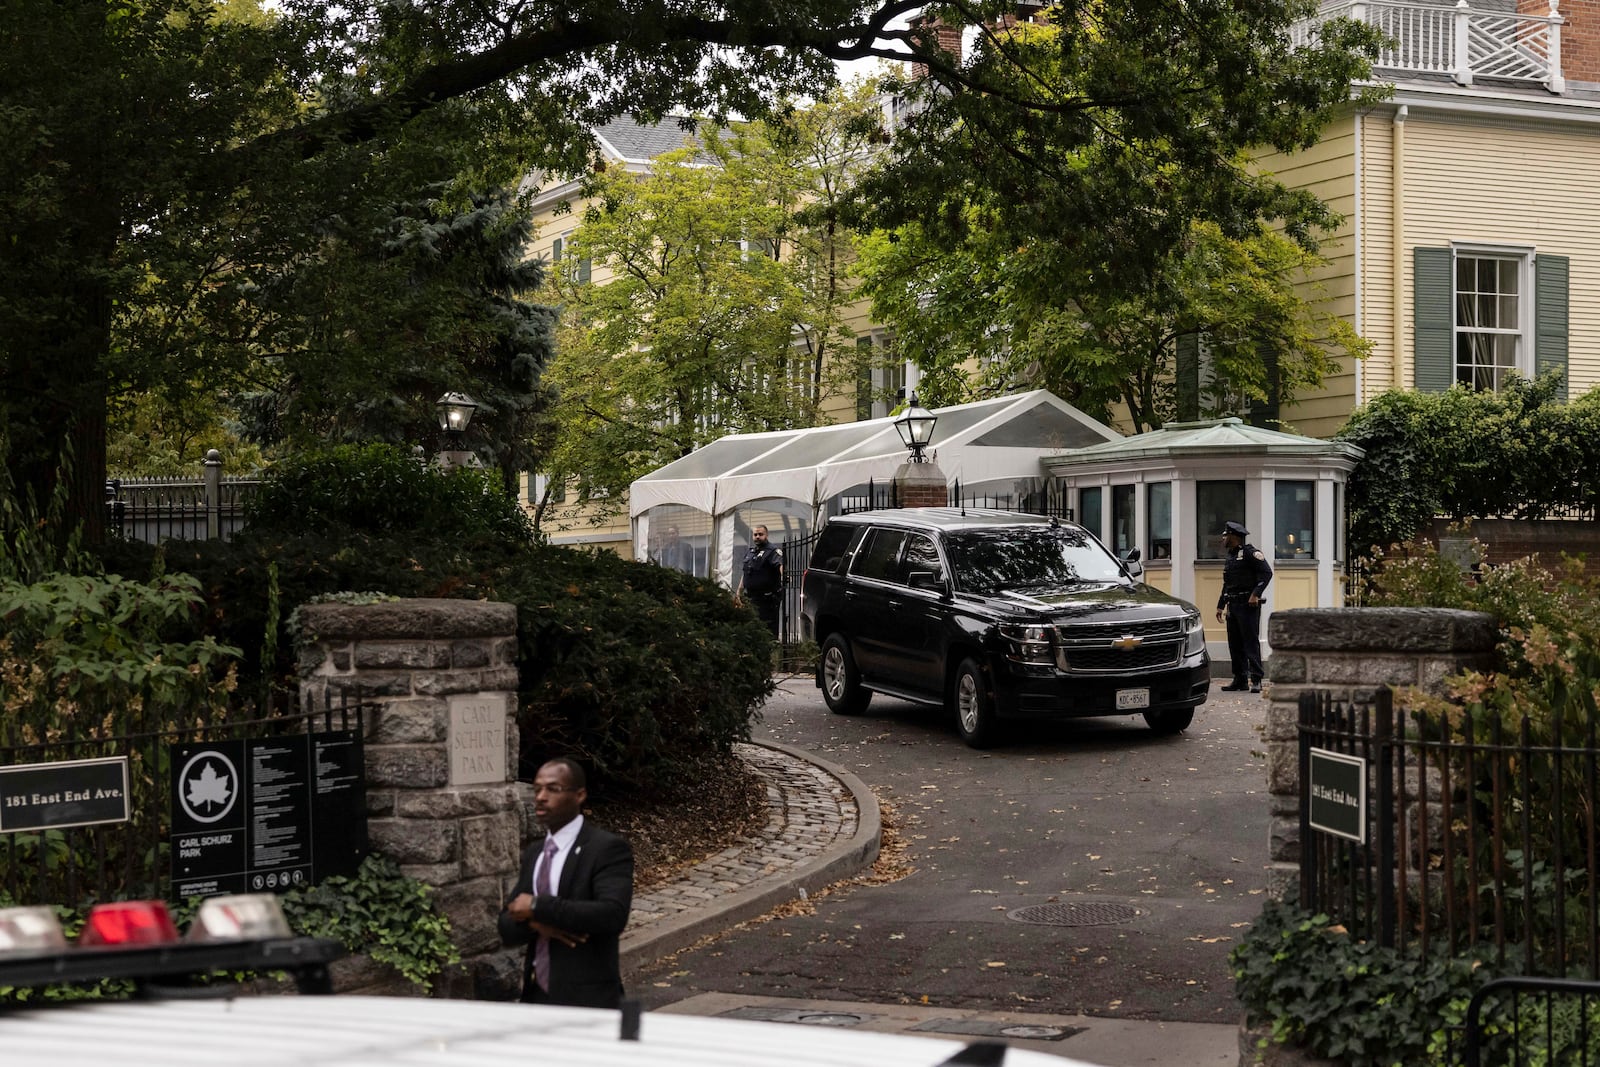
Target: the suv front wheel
pixel 974 710
pixel 841 684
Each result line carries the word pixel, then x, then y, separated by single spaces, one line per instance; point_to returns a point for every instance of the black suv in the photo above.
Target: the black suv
pixel 997 615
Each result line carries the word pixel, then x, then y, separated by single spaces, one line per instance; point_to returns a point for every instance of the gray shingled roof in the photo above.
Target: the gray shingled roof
pixel 641 142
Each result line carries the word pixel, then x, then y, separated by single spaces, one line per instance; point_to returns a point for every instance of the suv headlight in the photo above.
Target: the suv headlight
pixel 1029 644
pixel 1194 634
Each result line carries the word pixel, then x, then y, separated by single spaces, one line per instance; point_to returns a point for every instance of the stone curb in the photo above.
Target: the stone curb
pixel 839 860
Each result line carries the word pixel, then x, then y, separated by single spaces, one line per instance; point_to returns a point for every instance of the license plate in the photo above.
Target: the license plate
pixel 1128 699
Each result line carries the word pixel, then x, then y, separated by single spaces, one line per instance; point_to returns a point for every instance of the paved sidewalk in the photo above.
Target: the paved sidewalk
pixel 823 825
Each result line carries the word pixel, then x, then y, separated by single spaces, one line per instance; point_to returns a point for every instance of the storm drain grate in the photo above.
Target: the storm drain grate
pixel 1078 913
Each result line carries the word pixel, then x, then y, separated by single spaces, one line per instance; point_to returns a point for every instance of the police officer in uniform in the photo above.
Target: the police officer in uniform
pixel 1244 579
pixel 762 582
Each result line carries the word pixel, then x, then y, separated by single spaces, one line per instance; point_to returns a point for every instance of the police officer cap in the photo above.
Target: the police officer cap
pixel 1235 528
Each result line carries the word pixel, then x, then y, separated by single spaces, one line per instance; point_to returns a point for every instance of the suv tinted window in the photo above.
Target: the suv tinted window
pixel 879 557
pixel 1022 558
pixel 921 555
pixel 831 545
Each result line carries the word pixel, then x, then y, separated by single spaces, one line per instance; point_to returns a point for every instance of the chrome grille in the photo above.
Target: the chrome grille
pixel 1101 632
pixel 1104 648
pixel 1114 660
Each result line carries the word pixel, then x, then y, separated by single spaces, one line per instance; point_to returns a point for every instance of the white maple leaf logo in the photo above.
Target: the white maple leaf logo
pixel 208 788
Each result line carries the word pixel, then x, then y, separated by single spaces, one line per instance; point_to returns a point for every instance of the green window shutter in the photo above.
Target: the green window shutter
pixel 1186 374
pixel 864 377
pixel 1433 293
pixel 1550 314
pixel 1266 412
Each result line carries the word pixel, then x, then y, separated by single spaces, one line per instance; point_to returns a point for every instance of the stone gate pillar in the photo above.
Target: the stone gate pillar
pixel 441 751
pixel 1352 653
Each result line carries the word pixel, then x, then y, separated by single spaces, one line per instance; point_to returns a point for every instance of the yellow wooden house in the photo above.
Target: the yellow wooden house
pixel 1469 248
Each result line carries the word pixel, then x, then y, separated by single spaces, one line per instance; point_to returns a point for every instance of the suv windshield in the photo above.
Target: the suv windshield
pixel 987 562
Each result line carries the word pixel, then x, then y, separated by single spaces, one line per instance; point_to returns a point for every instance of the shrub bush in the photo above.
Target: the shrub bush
pixel 1355 1001
pixel 384 490
pixel 1518 453
pixel 640 671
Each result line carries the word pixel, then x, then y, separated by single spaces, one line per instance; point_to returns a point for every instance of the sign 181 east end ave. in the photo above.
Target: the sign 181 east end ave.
pixel 1336 794
pixel 54 796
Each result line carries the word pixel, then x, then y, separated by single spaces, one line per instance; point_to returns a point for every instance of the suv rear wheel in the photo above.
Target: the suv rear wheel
pixel 841 684
pixel 1172 721
pixel 974 711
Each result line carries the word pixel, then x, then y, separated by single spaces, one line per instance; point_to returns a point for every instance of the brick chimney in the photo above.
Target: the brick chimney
pixel 1580 35
pixel 946 37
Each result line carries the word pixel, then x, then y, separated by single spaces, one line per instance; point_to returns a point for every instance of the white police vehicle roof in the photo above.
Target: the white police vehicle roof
pixel 355 1031
pixel 174 1026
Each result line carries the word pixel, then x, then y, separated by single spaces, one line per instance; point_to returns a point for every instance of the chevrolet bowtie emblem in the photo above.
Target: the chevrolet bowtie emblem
pixel 1127 644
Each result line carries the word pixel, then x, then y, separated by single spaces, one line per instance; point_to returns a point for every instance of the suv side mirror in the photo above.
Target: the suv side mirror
pixel 1131 564
pixel 928 580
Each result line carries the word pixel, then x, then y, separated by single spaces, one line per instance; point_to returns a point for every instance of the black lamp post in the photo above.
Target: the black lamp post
pixel 915 427
pixel 455 414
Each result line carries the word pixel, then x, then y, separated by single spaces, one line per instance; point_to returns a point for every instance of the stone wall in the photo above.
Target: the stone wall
pixel 441 752
pixel 1352 653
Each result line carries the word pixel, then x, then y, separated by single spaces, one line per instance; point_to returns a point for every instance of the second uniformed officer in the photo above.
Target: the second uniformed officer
pixel 762 581
pixel 1244 580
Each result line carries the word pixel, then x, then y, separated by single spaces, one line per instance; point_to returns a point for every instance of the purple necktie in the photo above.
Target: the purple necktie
pixel 541 888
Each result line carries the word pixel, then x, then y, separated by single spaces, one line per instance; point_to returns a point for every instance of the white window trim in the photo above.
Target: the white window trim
pixel 1524 255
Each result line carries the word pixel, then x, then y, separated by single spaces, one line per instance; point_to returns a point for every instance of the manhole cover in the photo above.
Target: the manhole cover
pixel 1078 913
pixel 828 1019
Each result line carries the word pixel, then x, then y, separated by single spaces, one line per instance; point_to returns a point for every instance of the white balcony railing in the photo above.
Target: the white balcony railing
pixel 1461 41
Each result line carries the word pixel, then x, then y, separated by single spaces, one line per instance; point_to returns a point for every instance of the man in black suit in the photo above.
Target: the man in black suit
pixel 571 900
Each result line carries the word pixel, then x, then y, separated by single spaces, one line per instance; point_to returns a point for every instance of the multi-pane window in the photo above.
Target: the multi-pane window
pixel 1160 509
pixel 1295 505
pixel 1215 504
pixel 1089 505
pixel 1489 319
pixel 1122 519
pixel 1338 521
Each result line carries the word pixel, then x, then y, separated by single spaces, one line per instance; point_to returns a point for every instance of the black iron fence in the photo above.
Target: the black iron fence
pixel 131 860
pixel 1533 1022
pixel 179 508
pixel 1473 835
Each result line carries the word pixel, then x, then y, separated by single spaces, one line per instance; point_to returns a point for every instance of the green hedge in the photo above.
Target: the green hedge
pixel 384 490
pixel 640 671
pixel 1517 453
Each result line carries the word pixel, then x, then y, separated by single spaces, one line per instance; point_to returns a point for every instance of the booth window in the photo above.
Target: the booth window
pixel 1215 504
pixel 1160 506
pixel 1338 521
pixel 1295 504
pixel 1122 519
pixel 1089 508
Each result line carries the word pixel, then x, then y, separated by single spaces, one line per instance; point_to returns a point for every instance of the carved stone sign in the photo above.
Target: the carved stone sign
pixel 477 739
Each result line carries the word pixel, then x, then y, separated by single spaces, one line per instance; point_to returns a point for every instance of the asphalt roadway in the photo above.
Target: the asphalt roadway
pixel 1142 856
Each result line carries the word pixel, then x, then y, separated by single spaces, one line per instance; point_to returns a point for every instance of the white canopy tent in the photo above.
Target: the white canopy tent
pixel 795 474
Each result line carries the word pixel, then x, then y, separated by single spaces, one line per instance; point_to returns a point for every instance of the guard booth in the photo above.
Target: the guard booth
pixel 1168 492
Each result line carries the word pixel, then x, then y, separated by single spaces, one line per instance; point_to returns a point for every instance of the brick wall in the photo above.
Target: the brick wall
pixel 441 755
pixel 921 485
pixel 1351 652
pixel 1512 539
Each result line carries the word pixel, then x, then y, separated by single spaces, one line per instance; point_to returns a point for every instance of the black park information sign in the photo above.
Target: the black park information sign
pixel 267 814
pixel 1336 794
